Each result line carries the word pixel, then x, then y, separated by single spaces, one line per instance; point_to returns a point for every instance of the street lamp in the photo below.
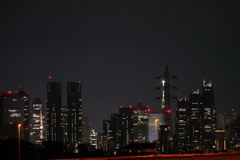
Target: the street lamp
pixel 156 120
pixel 19 125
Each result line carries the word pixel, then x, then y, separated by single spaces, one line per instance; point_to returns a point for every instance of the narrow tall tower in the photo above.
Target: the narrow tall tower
pixel 74 109
pixel 54 105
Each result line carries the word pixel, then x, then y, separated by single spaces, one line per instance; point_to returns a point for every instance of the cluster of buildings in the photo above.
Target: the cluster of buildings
pixel 196 125
pixel 198 128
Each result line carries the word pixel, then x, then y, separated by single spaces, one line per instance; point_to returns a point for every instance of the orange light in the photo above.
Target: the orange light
pixel 156 120
pixel 19 125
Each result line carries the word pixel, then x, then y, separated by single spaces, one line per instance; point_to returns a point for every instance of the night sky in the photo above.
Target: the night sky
pixel 117 48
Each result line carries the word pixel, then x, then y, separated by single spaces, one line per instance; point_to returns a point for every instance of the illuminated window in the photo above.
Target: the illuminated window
pixel 182 109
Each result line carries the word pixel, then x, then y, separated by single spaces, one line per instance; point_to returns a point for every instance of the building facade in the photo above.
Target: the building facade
pixel 54 105
pixel 86 129
pixel 195 120
pixel 74 110
pixel 37 131
pixel 12 114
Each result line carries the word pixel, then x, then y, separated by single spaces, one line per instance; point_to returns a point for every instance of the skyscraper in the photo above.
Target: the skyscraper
pixel 74 109
pixel 86 128
pixel 182 123
pixel 201 116
pixel 209 115
pixel 37 131
pixel 11 114
pixel 133 123
pixel 54 104
pixel 26 110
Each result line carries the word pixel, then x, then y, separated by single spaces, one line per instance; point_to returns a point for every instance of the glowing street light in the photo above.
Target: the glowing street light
pixel 156 120
pixel 19 125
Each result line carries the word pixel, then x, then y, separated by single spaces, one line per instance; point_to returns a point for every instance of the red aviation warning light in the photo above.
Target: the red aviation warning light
pixel 168 111
pixel 49 77
pixel 168 127
pixel 9 92
pixel 130 106
pixel 79 81
pixel 130 140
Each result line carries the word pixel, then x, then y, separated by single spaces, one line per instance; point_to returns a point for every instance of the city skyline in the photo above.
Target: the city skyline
pixel 116 49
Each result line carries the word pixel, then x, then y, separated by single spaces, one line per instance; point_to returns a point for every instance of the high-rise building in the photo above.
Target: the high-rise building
pixel 12 114
pixel 133 124
pixel 107 131
pixel 54 105
pixel 196 120
pixel 37 131
pixel 182 123
pixel 224 122
pixel 86 128
pixel 125 125
pixel 208 117
pixel 114 125
pixel 26 110
pixel 93 138
pixel 64 117
pixel 74 110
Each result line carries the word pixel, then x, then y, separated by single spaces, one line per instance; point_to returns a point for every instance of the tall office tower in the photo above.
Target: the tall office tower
pixel 163 138
pixel 140 123
pixel 224 123
pixel 37 132
pixel 115 131
pixel 108 133
pixel 182 123
pixel 11 114
pixel 64 117
pixel 209 115
pixel 235 133
pixel 152 116
pixel 54 105
pixel 102 142
pixel 86 128
pixel 133 124
pixel 125 125
pixel 93 138
pixel 74 107
pixel 27 109
pixel 196 116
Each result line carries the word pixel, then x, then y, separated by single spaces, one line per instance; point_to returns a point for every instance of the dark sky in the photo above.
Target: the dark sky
pixel 117 48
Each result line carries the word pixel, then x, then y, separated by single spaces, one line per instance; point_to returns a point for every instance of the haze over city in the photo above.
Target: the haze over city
pixel 117 48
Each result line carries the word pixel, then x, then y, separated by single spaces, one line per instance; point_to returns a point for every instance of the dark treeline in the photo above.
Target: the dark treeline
pixel 49 150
